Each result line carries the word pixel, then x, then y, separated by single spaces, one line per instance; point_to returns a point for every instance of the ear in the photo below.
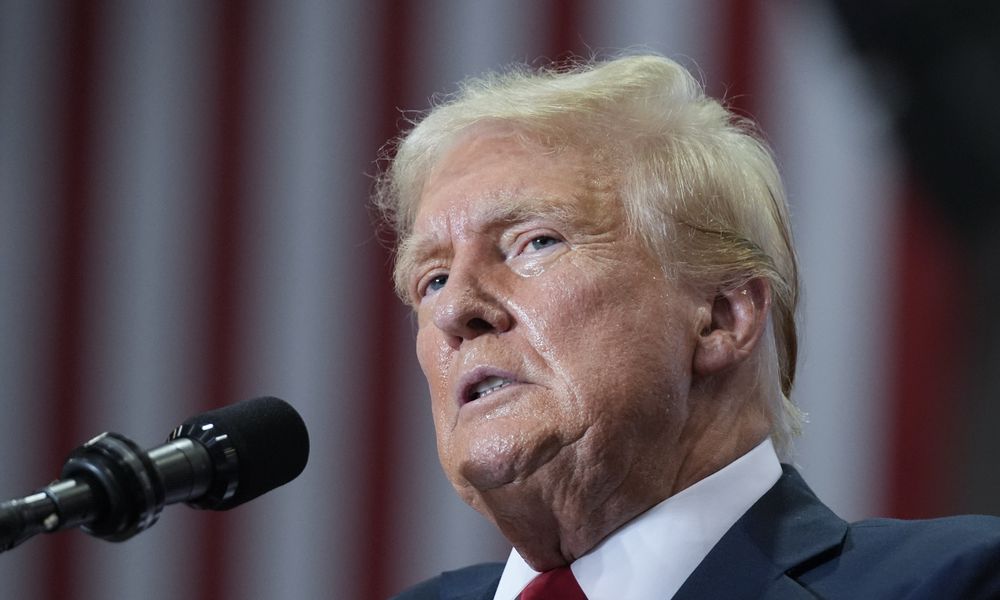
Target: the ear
pixel 738 320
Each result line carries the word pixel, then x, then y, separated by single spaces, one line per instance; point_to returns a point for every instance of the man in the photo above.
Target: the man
pixel 601 265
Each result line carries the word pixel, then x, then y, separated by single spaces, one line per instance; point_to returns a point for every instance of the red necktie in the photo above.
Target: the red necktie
pixel 557 584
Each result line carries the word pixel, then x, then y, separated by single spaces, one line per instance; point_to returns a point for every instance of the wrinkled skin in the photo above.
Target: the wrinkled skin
pixel 521 267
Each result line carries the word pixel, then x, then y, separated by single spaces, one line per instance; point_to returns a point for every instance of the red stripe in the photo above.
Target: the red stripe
pixel 375 543
pixel 565 39
pixel 74 215
pixel 740 55
pixel 222 274
pixel 930 283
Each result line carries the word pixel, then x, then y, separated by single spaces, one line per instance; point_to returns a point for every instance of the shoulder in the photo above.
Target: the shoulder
pixel 930 539
pixel 474 582
pixel 953 557
pixel 963 530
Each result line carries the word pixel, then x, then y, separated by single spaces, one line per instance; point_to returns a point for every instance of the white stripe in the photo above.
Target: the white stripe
pixel 29 34
pixel 142 295
pixel 455 39
pixel 834 144
pixel 305 323
pixel 684 30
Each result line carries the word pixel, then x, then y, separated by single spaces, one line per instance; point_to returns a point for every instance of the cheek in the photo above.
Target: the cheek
pixel 426 355
pixel 621 323
pixel 604 312
pixel 435 358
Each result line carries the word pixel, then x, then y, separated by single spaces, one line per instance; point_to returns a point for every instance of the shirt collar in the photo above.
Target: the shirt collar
pixel 651 556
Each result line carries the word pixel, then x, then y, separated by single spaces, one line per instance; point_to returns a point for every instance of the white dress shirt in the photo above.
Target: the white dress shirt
pixel 651 556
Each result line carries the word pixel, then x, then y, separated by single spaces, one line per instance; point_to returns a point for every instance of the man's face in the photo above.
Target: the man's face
pixel 557 353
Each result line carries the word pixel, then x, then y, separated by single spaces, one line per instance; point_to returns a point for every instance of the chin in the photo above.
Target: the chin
pixel 493 461
pixel 487 472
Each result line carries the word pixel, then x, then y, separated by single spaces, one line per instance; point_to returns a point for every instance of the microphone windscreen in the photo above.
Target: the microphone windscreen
pixel 271 442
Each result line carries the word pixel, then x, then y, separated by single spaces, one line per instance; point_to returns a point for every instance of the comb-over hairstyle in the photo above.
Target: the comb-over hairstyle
pixel 696 180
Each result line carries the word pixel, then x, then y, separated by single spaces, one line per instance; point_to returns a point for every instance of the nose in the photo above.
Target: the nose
pixel 469 306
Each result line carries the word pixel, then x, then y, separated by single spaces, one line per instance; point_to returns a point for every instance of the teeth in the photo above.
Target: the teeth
pixel 488 386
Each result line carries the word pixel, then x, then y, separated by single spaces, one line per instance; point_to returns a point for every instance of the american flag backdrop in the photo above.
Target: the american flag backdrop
pixel 183 224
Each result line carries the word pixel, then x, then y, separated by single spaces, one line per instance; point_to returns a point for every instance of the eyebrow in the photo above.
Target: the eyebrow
pixel 419 248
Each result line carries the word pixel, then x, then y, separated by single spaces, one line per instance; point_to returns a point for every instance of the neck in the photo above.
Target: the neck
pixel 555 516
pixel 549 536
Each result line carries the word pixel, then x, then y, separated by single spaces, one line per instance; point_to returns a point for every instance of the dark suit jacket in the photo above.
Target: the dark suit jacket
pixel 789 545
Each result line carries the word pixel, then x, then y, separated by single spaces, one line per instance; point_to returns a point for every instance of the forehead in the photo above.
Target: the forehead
pixel 495 173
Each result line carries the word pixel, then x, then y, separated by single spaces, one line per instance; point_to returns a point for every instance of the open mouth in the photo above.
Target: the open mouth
pixel 488 386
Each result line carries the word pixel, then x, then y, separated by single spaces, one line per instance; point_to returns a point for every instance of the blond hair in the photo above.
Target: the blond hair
pixel 697 181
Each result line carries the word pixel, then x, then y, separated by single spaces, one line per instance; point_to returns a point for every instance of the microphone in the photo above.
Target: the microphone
pixel 217 460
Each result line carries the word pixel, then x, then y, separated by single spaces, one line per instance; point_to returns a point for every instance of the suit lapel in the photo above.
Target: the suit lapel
pixel 759 557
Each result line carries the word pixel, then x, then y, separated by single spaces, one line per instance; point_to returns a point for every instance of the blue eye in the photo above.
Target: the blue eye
pixel 436 284
pixel 543 241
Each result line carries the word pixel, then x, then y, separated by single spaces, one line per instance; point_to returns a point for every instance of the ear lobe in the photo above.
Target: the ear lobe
pixel 739 319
